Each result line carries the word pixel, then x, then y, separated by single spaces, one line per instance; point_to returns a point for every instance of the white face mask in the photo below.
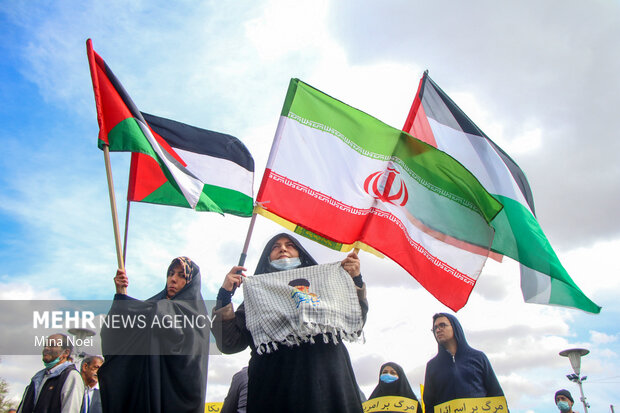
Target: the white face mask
pixel 284 264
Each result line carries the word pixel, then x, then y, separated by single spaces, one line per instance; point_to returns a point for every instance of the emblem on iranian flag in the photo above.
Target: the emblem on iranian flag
pixel 382 185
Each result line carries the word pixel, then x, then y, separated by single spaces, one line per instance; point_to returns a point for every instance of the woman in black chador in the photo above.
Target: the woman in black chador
pixel 393 382
pixel 310 377
pixel 156 366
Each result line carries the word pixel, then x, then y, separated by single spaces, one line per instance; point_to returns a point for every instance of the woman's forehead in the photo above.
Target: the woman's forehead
pixel 283 240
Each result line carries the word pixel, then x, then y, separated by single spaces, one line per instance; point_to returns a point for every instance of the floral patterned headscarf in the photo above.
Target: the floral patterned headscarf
pixel 187 265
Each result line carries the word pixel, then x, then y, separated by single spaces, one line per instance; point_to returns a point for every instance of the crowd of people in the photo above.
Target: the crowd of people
pixel 302 366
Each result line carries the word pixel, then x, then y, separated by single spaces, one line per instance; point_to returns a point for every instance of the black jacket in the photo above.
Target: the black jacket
pixel 49 398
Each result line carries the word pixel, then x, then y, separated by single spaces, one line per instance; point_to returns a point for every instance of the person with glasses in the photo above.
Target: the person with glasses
pixel 458 370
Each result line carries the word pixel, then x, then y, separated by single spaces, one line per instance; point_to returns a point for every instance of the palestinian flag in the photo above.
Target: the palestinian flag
pixel 347 177
pixel 437 120
pixel 173 163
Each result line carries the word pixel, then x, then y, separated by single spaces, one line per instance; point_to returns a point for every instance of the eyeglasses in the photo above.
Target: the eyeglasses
pixel 440 326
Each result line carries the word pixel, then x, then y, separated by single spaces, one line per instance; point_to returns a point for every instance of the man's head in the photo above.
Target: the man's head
pixel 283 247
pixel 564 400
pixel 90 367
pixel 301 284
pixel 57 350
pixel 442 329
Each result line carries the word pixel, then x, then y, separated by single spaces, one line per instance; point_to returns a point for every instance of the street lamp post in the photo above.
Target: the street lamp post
pixel 574 356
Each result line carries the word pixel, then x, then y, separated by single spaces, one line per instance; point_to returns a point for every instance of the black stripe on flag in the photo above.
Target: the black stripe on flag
pixel 192 139
pixel 435 101
pixel 121 91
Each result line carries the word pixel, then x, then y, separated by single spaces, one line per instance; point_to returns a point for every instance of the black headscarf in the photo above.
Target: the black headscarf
pixel 264 265
pixel 398 387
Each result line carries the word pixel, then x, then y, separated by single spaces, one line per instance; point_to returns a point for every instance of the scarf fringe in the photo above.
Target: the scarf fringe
pixel 327 332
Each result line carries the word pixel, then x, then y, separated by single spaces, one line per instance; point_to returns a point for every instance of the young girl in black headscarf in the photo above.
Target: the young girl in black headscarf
pixel 149 369
pixel 393 382
pixel 310 377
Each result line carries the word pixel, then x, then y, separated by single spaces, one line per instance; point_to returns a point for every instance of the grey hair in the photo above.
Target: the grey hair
pixel 89 359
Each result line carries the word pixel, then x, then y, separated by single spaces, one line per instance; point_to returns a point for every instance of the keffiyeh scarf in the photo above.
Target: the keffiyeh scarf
pixel 291 307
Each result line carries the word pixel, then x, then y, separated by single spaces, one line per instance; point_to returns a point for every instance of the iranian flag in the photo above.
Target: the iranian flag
pixel 437 120
pixel 172 163
pixel 347 177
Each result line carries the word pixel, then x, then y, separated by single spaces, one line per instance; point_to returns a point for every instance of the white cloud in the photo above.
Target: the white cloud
pixel 24 291
pixel 601 338
pixel 279 30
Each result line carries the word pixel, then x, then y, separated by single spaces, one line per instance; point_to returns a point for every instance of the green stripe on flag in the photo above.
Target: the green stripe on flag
pixel 213 198
pixel 360 128
pixel 519 236
pixel 565 295
pixel 317 238
pixel 226 200
pixel 167 194
pixel 127 136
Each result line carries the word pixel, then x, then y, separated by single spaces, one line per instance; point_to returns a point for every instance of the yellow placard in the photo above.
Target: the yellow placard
pixel 390 404
pixel 213 407
pixel 477 405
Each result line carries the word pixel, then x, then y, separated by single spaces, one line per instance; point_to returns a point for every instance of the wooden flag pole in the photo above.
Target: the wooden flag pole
pixel 126 231
pixel 117 236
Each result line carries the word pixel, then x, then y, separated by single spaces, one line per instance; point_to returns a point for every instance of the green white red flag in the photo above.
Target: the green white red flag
pixel 437 120
pixel 172 163
pixel 345 176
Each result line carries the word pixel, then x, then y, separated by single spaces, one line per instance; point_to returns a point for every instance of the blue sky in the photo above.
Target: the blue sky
pixel 539 79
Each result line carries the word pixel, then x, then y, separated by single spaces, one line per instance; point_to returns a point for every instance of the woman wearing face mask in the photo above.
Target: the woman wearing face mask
pixel 393 382
pixel 310 377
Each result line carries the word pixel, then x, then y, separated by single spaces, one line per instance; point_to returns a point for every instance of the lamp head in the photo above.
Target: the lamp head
pixel 574 356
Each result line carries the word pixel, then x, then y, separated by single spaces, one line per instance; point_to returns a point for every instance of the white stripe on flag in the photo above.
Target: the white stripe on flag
pixel 480 158
pixel 535 286
pixel 218 172
pixel 190 186
pixel 307 155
